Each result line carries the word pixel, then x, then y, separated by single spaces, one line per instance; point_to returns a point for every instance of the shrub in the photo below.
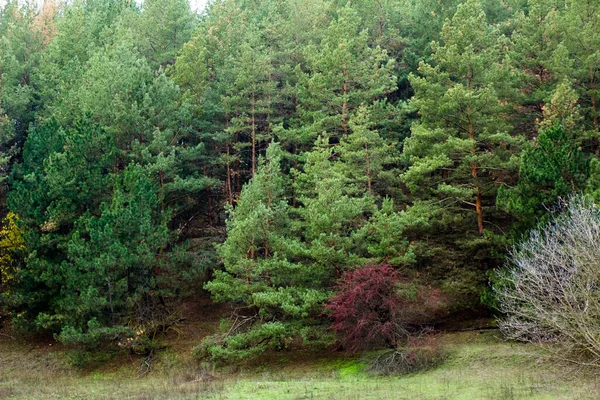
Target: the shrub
pixel 550 292
pixel 365 309
pixel 418 353
pixel 244 344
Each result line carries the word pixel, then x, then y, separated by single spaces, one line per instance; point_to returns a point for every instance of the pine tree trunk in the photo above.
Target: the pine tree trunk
pixel 228 183
pixel 594 101
pixel 253 136
pixel 479 210
pixel 270 97
pixel 368 160
pixel 228 188
pixel 237 170
pixel 474 173
pixel 380 20
pixel 345 104
pixel 471 131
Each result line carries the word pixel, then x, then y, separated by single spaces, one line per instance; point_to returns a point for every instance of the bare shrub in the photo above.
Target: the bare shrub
pixel 420 352
pixel 551 290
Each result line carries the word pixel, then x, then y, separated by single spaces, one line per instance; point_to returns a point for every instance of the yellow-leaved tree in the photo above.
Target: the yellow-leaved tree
pixel 12 246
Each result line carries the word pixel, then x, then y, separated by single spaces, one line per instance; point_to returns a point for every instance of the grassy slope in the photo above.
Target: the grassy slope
pixel 479 366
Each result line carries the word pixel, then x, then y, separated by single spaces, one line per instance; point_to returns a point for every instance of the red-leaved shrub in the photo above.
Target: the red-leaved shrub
pixel 365 308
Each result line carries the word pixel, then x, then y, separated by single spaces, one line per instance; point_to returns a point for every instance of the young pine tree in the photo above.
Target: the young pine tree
pixel 278 296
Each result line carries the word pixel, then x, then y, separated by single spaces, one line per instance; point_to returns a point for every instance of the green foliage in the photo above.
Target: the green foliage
pixel 462 148
pixel 163 29
pixel 330 134
pixel 270 335
pixel 552 167
pixel 95 237
pixel 346 71
pixel 20 48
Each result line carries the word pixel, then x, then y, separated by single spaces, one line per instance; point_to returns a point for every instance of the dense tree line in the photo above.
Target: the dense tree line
pixel 266 149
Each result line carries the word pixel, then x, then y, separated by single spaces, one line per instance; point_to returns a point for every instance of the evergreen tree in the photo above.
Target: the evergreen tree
pixel 366 156
pixel 552 167
pixel 111 287
pixel 21 45
pixel 535 39
pixel 576 57
pixel 250 96
pixel 279 296
pixel 345 72
pixel 63 179
pixel 461 150
pixel 334 208
pixel 81 29
pixel 461 144
pixel 163 28
pixel 94 235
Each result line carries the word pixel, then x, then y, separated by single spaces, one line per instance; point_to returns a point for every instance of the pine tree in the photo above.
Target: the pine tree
pixel 576 57
pixel 163 27
pixel 334 208
pixel 95 237
pixel 344 72
pixel 21 45
pixel 278 296
pixel 460 152
pixel 63 179
pixel 552 167
pixel 251 94
pixel 366 156
pixel 534 41
pixel 461 145
pixel 111 287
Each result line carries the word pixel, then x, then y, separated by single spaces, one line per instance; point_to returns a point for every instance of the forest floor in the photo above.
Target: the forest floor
pixel 479 365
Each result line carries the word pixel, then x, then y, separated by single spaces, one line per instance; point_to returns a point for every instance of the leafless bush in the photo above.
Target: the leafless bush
pixel 419 352
pixel 551 290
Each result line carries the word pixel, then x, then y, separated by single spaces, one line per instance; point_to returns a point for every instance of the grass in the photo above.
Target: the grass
pixel 479 366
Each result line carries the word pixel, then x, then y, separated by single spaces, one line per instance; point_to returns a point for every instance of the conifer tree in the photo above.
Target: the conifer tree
pixel 63 179
pixel 535 39
pixel 366 156
pixel 279 296
pixel 460 152
pixel 345 72
pixel 21 45
pixel 251 95
pixel 461 145
pixel 552 167
pixel 576 57
pixel 111 287
pixel 163 27
pixel 95 237
pixel 255 228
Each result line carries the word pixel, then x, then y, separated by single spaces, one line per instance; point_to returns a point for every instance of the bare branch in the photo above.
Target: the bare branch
pixel 551 291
